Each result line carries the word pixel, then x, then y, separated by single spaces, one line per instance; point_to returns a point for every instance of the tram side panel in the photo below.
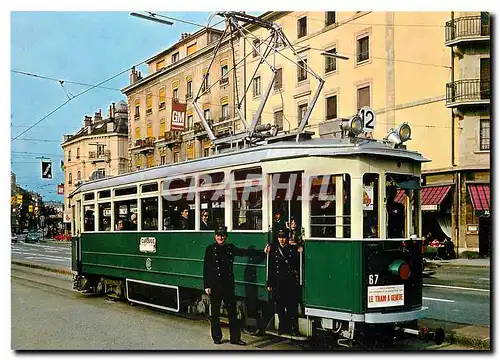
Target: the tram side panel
pixel 177 261
pixel 332 275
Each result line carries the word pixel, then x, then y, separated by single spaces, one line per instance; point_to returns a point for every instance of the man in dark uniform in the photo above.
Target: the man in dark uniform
pixel 395 215
pixel 184 221
pixel 283 282
pixel 218 279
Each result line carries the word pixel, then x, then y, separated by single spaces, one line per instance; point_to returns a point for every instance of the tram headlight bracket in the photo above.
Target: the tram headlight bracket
pixel 399 135
pixel 354 126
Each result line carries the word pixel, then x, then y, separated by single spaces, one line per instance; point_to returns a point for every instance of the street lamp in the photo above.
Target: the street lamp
pixel 152 18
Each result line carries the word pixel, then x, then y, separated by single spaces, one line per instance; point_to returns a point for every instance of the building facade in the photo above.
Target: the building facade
pixel 98 149
pixel 400 64
pixel 174 78
pixel 468 94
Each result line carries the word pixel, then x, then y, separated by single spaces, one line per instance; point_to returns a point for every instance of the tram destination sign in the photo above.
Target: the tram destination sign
pixel 384 296
pixel 147 245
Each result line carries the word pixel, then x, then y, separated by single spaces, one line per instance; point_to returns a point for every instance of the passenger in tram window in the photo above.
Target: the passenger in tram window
pixel 119 225
pixel 395 214
pixel 278 224
pixel 133 222
pixel 295 234
pixel 205 223
pixel 184 221
pixel 167 222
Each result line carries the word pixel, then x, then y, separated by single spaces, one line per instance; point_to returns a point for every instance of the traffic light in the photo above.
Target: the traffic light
pixel 46 169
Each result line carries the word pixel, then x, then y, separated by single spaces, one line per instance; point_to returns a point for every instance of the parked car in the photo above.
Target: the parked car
pixel 32 236
pixel 13 238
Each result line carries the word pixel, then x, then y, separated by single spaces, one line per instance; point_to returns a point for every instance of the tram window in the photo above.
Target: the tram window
pixel 104 194
pixel 347 206
pixel 211 179
pixel 178 183
pixel 88 196
pixel 78 220
pixel 370 206
pixel 149 214
pixel 247 208
pixel 398 188
pixel 323 206
pixel 126 215
pixel 286 198
pixel 178 211
pixel 89 220
pixel 211 209
pixel 105 217
pixel 247 174
pixel 126 191
pixel 149 188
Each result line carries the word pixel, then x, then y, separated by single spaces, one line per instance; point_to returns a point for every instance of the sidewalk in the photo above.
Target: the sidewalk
pixel 483 263
pixel 475 336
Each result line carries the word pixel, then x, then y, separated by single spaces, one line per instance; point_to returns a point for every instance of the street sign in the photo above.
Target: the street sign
pixel 19 199
pixel 67 218
pixel 30 208
pixel 46 169
pixel 367 114
pixel 60 189
pixel 12 200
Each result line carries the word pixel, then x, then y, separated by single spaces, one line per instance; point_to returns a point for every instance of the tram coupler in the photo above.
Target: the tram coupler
pixel 425 334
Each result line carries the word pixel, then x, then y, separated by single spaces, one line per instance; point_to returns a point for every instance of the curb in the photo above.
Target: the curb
pixel 43 267
pixel 465 265
pixel 454 338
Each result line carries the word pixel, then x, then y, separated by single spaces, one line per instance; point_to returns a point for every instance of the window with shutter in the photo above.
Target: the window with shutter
pixel 191 49
pixel 278 82
pixel 330 61
pixel 278 119
pixel 137 133
pixel 301 113
pixel 363 97
pixel 484 134
pixel 302 27
pixel 162 128
pixel 160 64
pixel 149 103
pixel 330 18
pixel 161 98
pixel 256 44
pixel 256 86
pixel 150 130
pixel 301 70
pixel 362 49
pixel 331 107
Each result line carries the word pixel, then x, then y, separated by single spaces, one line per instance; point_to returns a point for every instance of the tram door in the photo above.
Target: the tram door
pixel 286 193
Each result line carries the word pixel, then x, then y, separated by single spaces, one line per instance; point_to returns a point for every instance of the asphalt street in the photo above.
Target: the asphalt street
pixel 456 294
pixel 48 315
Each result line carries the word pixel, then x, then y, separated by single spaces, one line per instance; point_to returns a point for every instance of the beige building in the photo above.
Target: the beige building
pixel 400 64
pixel 175 75
pixel 98 149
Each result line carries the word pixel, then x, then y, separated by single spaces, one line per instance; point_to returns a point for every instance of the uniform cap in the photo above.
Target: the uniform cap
pixel 282 233
pixel 221 230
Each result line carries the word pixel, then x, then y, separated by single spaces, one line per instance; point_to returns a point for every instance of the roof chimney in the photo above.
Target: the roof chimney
pixel 87 121
pixel 113 110
pixel 97 116
pixel 185 35
pixel 133 75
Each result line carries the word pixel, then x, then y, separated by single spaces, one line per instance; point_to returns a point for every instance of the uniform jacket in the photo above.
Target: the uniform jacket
pixel 218 265
pixel 283 269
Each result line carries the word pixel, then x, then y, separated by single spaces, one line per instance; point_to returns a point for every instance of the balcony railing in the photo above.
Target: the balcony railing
pixel 468 91
pixel 467 27
pixel 146 142
pixel 98 156
pixel 224 80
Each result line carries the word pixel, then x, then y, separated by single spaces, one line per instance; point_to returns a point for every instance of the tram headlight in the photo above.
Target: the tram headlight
pixel 399 135
pixel 354 125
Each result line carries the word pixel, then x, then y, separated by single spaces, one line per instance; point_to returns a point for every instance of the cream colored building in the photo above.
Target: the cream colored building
pixel 99 148
pixel 399 64
pixel 176 74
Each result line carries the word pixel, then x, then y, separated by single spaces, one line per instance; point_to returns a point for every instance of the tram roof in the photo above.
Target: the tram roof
pixel 258 154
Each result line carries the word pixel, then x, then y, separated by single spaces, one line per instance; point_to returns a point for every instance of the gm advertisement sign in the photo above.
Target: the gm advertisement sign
pixel 178 116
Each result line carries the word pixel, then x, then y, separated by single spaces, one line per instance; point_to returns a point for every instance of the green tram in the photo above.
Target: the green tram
pixel 356 200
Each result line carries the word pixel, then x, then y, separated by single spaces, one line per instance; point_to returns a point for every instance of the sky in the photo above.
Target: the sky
pixel 85 47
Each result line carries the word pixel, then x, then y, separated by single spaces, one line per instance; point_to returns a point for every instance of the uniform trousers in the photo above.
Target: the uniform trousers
pixel 230 301
pixel 287 301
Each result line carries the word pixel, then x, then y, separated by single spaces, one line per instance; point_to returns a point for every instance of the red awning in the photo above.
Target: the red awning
pixel 480 196
pixel 400 196
pixel 434 195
